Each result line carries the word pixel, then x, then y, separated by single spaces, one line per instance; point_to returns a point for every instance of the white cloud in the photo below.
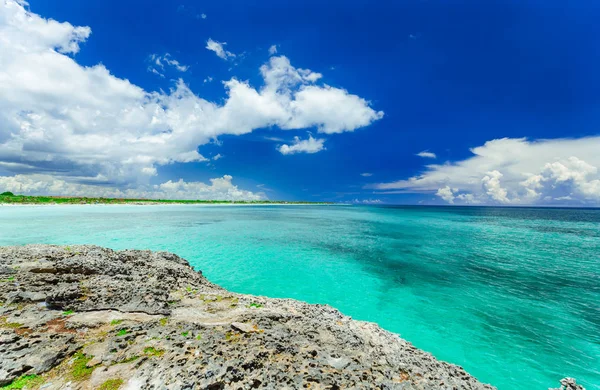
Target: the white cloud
pixel 468 199
pixel 217 47
pixel 156 72
pixel 220 188
pixel 78 122
pixel 367 201
pixel 447 194
pixel 332 110
pixel 564 198
pixel 310 145
pixel 218 156
pixel 366 174
pixel 151 171
pixel 491 184
pixel 203 16
pixel 29 32
pixel 273 50
pixel 159 62
pixel 208 79
pixel 426 154
pixel 515 171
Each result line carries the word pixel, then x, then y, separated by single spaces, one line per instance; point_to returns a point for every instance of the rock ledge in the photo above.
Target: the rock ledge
pixel 86 317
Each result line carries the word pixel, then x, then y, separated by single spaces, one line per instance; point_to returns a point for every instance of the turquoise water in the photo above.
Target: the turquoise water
pixel 512 295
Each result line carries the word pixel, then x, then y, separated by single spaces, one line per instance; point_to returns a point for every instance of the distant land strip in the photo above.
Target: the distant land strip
pixel 10 198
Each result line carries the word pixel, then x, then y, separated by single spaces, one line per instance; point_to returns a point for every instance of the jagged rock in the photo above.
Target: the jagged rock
pixel 153 322
pixel 244 328
pixel 569 384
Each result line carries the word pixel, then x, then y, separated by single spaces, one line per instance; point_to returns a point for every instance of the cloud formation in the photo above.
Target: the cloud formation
pixel 310 145
pixel 81 123
pixel 426 154
pixel 515 171
pixel 158 63
pixel 218 48
pixel 220 188
pixel 367 201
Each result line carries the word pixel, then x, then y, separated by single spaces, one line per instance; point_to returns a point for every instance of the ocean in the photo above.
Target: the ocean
pixel 510 294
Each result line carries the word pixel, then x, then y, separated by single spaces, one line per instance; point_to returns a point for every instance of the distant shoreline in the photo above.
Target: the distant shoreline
pixel 10 199
pixel 166 204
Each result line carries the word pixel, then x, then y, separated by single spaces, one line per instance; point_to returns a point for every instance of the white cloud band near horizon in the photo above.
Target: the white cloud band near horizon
pixel 514 171
pixel 80 122
pixel 220 188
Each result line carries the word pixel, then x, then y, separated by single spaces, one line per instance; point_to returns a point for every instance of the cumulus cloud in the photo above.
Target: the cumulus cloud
pixel 78 122
pixel 515 171
pixel 310 145
pixel 220 188
pixel 447 194
pixel 273 49
pixel 218 48
pixel 492 187
pixel 426 154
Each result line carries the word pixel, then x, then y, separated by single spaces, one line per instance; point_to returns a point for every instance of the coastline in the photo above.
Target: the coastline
pixel 168 204
pixel 89 315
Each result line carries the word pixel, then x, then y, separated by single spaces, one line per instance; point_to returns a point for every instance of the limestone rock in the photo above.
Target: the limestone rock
pixel 79 316
pixel 569 384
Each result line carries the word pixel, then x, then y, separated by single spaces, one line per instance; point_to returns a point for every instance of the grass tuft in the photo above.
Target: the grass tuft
pixel 111 384
pixel 79 369
pixel 28 381
pixel 12 325
pixel 129 359
pixel 153 351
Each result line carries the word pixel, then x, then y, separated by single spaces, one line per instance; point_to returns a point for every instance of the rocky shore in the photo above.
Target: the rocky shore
pixel 86 317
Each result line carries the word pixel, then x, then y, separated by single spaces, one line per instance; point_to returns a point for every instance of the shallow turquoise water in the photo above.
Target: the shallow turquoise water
pixel 512 295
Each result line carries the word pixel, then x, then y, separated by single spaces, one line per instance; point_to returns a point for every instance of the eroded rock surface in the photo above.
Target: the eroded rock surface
pixel 85 317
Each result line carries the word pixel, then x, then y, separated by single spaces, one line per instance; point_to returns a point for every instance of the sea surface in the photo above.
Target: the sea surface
pixel 510 294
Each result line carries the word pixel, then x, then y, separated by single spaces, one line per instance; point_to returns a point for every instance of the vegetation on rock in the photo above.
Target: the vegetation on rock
pixel 111 384
pixel 28 381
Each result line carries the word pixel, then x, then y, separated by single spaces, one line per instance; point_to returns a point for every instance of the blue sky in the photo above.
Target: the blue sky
pixel 501 96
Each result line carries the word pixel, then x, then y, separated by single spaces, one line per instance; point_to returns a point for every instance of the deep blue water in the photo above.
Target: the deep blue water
pixel 510 294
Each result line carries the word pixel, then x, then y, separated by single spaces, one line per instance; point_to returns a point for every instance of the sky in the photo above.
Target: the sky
pixel 393 102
